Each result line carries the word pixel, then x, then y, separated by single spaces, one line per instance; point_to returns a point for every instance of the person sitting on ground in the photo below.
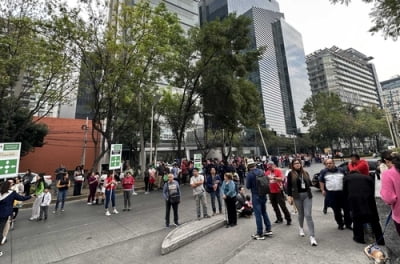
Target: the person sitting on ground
pixel 247 209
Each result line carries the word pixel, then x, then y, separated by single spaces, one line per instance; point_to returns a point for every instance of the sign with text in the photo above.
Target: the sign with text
pixel 9 159
pixel 197 161
pixel 115 156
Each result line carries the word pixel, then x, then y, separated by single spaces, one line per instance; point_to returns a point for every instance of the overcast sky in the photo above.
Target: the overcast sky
pixel 323 25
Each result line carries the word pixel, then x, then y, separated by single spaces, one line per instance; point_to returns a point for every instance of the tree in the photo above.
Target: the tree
pixel 326 116
pixel 35 62
pixel 385 15
pixel 122 60
pixel 212 69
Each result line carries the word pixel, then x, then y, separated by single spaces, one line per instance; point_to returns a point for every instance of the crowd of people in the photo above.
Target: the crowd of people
pixel 349 194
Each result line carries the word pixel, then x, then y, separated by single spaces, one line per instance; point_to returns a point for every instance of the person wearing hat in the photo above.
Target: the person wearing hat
pixel 259 203
pixel 276 193
pixel 199 193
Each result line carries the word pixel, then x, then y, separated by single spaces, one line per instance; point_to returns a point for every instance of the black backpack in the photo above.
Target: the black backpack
pixel 262 184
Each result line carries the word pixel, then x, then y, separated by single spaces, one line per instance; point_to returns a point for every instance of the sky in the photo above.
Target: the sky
pixel 324 25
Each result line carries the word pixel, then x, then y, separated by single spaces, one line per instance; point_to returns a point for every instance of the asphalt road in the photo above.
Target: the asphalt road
pixel 83 234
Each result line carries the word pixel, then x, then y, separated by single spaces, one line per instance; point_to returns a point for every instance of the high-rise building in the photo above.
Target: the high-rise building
pixel 348 73
pixel 391 96
pixel 281 76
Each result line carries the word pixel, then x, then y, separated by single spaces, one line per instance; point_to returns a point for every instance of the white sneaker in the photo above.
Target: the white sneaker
pixel 146 193
pixel 1 253
pixel 313 241
pixel 108 213
pixel 115 211
pixel 134 193
pixel 89 203
pixel 301 232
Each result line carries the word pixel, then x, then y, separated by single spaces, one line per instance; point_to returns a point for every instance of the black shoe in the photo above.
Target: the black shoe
pixel 278 221
pixel 325 210
pixel 227 226
pixel 39 219
pixel 349 227
pixel 340 227
pixel 232 225
pixel 206 216
pixel 359 241
pixel 288 222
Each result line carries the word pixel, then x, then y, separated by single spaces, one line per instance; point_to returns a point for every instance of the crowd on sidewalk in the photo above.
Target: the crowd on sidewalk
pixel 226 183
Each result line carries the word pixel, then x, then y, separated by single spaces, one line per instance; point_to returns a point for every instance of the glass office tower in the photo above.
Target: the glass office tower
pixel 282 74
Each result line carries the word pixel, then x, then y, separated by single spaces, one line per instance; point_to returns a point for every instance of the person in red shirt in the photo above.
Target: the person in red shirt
pixel 357 164
pixel 110 185
pixel 276 194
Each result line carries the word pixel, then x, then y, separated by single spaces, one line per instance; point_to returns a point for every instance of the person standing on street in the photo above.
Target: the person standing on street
pixel 229 195
pixel 78 180
pixel 127 186
pixel 110 185
pixel 44 205
pixel 172 197
pixel 197 184
pixel 39 188
pixel 276 193
pixel 93 182
pixel 213 183
pixel 62 185
pixel 7 198
pixel 299 192
pixel 331 185
pixel 360 196
pixel 28 177
pixel 259 202
pixel 390 188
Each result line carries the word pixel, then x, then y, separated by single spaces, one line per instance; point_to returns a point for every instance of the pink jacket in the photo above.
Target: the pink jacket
pixel 390 191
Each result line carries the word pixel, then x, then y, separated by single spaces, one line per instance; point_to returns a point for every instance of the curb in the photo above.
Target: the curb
pixel 189 232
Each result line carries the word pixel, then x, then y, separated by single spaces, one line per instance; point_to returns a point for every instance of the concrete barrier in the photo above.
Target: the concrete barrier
pixel 189 232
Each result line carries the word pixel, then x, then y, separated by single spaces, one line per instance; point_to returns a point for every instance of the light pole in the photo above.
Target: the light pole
pixel 156 98
pixel 84 127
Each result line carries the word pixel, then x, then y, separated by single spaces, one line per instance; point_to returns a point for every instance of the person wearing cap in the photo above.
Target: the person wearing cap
pixel 199 193
pixel 276 193
pixel 357 164
pixel 259 203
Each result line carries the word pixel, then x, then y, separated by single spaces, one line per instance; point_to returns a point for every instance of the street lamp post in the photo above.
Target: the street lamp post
pixel 84 127
pixel 156 98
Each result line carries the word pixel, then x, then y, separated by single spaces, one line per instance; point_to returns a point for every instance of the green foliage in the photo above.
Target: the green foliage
pixel 385 16
pixel 35 62
pixel 331 121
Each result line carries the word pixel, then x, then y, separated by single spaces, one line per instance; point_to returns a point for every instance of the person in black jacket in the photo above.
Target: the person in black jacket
pixel 359 192
pixel 7 198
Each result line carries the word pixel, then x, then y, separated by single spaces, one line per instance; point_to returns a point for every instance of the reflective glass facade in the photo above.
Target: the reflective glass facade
pixel 282 74
pixel 295 76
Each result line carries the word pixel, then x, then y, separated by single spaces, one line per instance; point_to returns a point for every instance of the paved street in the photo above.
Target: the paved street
pixel 83 234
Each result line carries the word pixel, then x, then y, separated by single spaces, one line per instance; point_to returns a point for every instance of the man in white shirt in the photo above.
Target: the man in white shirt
pixel 197 184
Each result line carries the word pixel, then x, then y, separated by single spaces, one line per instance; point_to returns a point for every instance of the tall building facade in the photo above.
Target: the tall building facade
pixel 281 76
pixel 391 96
pixel 348 73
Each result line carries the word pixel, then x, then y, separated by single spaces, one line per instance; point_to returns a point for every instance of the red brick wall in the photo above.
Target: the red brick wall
pixel 63 145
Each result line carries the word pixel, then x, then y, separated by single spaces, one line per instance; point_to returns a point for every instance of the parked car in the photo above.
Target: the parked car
pixel 372 164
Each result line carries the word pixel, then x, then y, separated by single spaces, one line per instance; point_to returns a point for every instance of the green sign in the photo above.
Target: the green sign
pixel 115 156
pixel 9 159
pixel 197 161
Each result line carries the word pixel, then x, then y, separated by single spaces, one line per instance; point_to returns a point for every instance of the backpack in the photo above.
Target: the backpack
pixel 262 184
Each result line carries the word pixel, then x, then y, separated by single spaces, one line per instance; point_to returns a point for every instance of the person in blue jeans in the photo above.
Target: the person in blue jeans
pixel 62 185
pixel 259 203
